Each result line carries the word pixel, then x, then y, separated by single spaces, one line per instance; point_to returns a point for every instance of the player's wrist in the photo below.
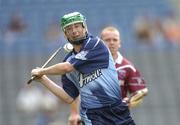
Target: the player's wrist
pixel 43 71
pixel 75 112
pixel 43 79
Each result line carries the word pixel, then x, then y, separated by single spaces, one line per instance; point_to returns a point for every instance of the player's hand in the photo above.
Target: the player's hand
pixel 74 119
pixel 132 103
pixel 37 73
pixel 126 100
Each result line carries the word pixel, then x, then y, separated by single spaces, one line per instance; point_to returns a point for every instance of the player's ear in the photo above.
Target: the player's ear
pixel 65 34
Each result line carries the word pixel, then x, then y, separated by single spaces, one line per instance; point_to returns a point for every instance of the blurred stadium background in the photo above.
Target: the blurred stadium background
pixel 29 34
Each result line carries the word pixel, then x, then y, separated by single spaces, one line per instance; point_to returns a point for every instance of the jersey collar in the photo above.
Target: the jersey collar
pixel 119 58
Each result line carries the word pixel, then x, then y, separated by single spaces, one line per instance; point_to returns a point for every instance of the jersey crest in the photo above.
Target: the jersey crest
pixel 82 55
pixel 121 74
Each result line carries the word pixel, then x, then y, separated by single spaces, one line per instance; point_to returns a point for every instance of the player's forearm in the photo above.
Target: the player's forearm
pixel 74 117
pixel 60 68
pixel 75 106
pixel 55 89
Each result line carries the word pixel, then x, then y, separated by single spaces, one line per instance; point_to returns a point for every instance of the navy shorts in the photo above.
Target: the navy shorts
pixel 109 115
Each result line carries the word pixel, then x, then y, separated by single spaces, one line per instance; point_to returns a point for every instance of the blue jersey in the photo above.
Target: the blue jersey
pixel 95 77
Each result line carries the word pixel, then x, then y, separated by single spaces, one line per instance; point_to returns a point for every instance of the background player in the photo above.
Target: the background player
pixel 89 71
pixel 130 79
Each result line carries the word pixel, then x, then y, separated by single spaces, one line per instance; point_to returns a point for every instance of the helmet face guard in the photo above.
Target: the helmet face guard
pixel 72 18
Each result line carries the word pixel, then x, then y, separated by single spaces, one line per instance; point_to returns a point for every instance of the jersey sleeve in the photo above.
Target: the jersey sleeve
pixel 69 87
pixel 94 56
pixel 135 81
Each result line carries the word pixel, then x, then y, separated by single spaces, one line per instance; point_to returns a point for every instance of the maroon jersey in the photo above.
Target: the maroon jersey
pixel 129 77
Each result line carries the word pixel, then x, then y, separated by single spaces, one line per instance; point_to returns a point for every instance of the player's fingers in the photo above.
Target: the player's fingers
pixel 80 122
pixel 126 100
pixel 72 122
pixel 36 72
pixel 77 122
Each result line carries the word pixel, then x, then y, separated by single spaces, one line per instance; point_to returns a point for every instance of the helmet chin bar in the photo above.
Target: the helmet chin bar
pixel 78 41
